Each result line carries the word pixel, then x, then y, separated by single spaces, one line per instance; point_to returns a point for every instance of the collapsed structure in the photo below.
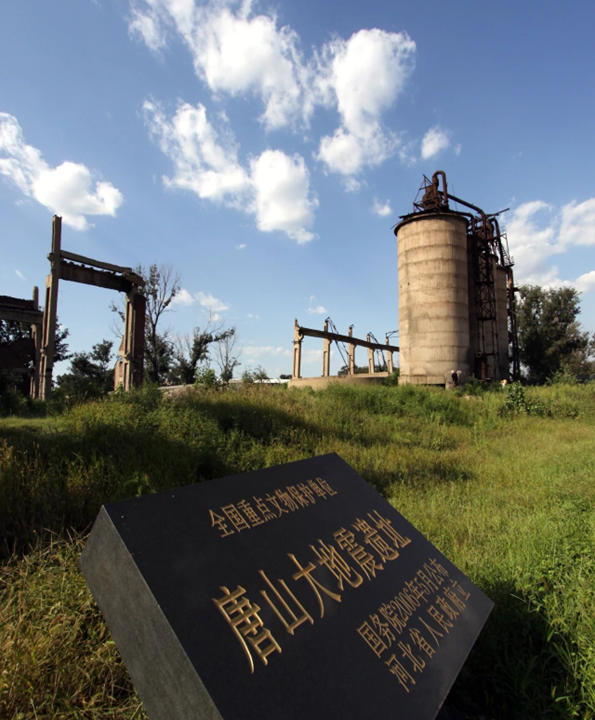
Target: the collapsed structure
pixel 456 292
pixel 38 351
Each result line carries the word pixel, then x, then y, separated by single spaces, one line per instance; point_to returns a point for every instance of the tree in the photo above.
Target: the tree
pixel 257 375
pixel 161 286
pixel 192 350
pixel 550 337
pixel 225 356
pixel 260 374
pixel 91 373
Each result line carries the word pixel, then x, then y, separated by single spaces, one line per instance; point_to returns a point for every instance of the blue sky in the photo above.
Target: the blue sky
pixel 266 149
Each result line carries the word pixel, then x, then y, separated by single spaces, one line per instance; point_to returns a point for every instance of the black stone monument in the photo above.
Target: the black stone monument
pixel 295 592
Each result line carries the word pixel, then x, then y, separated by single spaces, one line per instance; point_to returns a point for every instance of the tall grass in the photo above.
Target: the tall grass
pixel 502 485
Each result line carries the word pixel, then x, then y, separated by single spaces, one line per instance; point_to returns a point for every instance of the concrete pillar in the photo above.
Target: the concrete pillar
pixel 351 353
pixel 297 351
pixel 389 358
pixel 370 356
pixel 36 335
pixel 326 354
pixel 50 312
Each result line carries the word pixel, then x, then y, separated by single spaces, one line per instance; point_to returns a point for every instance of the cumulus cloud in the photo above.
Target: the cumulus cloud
pixel 240 53
pixel 434 142
pixel 234 52
pixel 211 303
pixel 381 209
pixel 281 185
pixel 275 187
pixel 183 297
pixel 362 77
pixel 205 162
pixel 536 232
pixel 241 246
pixel 577 225
pixel 69 189
pixel 318 310
pixel 585 283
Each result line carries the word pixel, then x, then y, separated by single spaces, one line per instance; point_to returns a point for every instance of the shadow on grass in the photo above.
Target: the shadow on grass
pixel 517 669
pixel 57 481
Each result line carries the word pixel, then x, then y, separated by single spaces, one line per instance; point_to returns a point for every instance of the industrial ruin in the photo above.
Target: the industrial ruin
pixel 456 292
pixel 456 300
pixel 35 355
pixel 456 306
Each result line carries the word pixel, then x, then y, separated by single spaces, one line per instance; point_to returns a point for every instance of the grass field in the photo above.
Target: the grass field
pixel 502 483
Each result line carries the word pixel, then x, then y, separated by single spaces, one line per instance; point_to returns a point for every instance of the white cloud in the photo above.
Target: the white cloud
pixel 240 53
pixel 362 76
pixel 434 141
pixel 536 233
pixel 381 209
pixel 577 225
pixel 148 29
pixel 20 275
pixel 253 351
pixel 585 283
pixel 183 297
pixel 204 162
pixel 318 310
pixel 66 189
pixel 351 185
pixel 211 303
pixel 233 52
pixel 529 244
pixel 241 246
pixel 281 185
pixel 275 189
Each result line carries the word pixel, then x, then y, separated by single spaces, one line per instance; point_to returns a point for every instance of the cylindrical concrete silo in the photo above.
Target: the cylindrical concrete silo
pixel 433 297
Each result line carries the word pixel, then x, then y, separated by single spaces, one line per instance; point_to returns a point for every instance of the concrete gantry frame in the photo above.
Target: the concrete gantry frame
pixel 300 332
pixel 70 266
pixel 25 311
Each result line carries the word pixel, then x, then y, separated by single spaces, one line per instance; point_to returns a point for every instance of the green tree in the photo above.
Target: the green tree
pixel 550 337
pixel 91 374
pixel 162 284
pixel 226 356
pixel 192 350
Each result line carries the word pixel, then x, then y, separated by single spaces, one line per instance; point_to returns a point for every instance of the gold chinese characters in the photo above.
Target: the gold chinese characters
pixel 247 514
pixel 348 561
pixel 439 599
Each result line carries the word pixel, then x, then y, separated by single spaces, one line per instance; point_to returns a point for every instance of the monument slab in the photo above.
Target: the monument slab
pixel 292 592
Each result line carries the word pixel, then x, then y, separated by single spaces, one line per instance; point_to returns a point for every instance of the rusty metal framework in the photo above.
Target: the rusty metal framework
pixel 488 245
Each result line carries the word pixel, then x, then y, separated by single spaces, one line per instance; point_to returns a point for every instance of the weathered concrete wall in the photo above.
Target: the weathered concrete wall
pixel 433 298
pixel 318 383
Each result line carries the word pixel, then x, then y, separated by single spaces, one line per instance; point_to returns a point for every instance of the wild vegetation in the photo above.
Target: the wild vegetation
pixel 501 482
